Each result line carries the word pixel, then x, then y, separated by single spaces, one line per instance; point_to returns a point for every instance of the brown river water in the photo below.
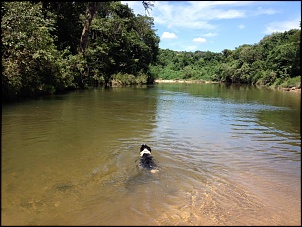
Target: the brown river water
pixel 227 155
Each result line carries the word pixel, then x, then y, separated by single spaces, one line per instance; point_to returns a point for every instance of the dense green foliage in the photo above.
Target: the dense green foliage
pixel 121 43
pixel 29 56
pixel 40 42
pixel 40 51
pixel 274 61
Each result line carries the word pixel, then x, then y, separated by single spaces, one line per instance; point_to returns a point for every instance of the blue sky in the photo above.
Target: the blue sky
pixel 218 25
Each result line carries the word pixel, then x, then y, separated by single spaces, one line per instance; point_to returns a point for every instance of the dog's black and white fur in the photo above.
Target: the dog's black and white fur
pixel 146 160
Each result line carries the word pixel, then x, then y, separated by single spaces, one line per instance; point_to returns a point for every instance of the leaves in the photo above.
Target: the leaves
pixel 29 54
pixel 275 59
pixel 121 42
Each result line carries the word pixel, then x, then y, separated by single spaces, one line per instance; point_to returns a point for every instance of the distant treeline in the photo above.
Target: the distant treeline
pixel 49 47
pixel 274 61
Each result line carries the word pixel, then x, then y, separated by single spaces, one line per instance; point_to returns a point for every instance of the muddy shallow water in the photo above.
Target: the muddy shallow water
pixel 227 155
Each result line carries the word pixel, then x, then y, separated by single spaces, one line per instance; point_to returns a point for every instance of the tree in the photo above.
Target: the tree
pixel 121 43
pixel 29 56
pixel 90 12
pixel 68 23
pixel 147 5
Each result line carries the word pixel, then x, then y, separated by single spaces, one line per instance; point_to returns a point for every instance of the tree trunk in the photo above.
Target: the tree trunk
pixel 91 10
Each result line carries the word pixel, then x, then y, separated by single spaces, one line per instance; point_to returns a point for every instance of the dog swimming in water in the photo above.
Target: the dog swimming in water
pixel 146 159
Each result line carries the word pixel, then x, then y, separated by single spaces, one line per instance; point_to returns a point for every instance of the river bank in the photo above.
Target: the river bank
pixel 291 89
pixel 183 81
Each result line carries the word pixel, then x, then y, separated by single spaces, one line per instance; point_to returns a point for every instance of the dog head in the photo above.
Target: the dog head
pixel 145 149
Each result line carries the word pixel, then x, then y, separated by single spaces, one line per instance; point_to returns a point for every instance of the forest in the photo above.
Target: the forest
pixel 274 61
pixel 52 47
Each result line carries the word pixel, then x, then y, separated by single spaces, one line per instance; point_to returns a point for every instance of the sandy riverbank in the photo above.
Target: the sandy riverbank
pixel 292 89
pixel 184 81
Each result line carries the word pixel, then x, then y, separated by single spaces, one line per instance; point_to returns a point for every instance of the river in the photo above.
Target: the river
pixel 227 155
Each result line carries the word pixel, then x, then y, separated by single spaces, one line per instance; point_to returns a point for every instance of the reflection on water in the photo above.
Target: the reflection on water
pixel 228 155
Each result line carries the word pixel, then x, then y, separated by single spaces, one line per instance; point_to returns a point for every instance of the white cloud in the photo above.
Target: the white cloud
pixel 282 26
pixel 199 40
pixel 184 23
pixel 168 35
pixel 196 14
pixel 210 34
pixel 190 15
pixel 190 48
pixel 229 14
pixel 261 11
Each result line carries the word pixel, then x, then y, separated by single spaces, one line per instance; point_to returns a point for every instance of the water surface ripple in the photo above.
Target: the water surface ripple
pixel 227 155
